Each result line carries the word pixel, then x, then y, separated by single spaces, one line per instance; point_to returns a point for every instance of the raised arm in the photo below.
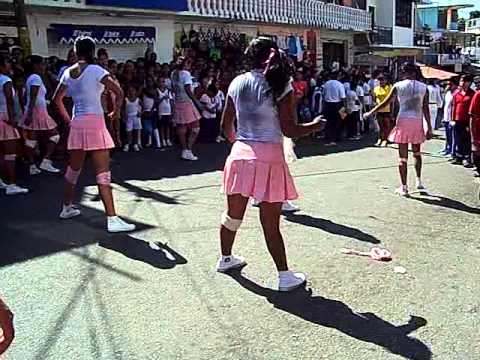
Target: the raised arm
pixel 387 101
pixel 34 89
pixel 287 111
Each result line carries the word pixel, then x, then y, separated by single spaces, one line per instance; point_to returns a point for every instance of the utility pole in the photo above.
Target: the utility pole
pixel 22 26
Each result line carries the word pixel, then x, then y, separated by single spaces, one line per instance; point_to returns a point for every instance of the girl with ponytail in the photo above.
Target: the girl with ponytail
pixel 262 105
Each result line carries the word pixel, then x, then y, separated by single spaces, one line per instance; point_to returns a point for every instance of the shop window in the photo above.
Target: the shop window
pixel 442 19
pixel 403 13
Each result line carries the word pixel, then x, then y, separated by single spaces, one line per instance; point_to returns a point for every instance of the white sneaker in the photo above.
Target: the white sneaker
pixel 419 185
pixel 229 263
pixel 3 185
pixel 69 211
pixel 13 189
pixel 164 143
pixel 126 147
pixel 402 191
pixel 169 143
pixel 288 206
pixel 254 203
pixel 220 139
pixel 188 155
pixel 47 166
pixel 115 225
pixel 34 170
pixel 136 148
pixel 288 280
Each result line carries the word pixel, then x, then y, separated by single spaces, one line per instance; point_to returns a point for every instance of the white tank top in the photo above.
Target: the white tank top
pixel 132 108
pixel 148 103
pixel 410 95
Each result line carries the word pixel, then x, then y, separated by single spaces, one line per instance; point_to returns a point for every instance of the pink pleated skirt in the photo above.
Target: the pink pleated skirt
pixel 185 113
pixel 89 132
pixel 408 131
pixel 7 131
pixel 258 170
pixel 41 120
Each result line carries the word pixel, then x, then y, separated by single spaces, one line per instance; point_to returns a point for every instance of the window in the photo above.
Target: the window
pixel 442 19
pixel 403 13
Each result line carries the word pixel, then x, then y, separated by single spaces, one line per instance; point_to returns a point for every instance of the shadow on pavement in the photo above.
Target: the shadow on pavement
pixel 308 148
pixel 331 227
pixel 447 203
pixel 162 256
pixel 335 314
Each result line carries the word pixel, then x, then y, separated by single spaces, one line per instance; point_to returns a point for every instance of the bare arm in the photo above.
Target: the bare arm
pixel 387 101
pixel 8 91
pixel 426 114
pixel 112 86
pixel 34 89
pixel 289 120
pixel 60 93
pixel 228 120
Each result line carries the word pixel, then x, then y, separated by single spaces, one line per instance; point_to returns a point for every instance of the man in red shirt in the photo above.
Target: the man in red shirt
pixel 475 130
pixel 461 122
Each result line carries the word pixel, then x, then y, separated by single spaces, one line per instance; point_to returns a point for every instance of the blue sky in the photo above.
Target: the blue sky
pixel 464 13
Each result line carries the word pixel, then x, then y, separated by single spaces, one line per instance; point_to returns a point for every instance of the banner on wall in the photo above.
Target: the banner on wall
pixel 175 5
pixel 106 34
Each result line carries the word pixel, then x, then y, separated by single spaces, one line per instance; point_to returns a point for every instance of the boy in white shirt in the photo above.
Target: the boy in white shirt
pixel 210 105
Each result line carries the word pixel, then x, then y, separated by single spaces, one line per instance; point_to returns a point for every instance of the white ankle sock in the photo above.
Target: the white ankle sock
pixel 226 257
pixel 283 273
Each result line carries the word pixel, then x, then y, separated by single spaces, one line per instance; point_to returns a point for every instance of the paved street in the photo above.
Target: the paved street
pixel 79 293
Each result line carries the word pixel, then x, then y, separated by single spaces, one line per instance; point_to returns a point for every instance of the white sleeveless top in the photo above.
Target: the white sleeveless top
pixel 410 95
pixel 86 90
pixel 257 113
pixel 3 100
pixel 132 108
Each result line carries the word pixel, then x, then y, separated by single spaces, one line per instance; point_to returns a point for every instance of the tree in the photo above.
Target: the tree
pixel 22 27
pixel 475 14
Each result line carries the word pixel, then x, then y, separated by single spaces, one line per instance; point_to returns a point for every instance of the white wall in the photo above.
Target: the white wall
pixel 384 12
pixel 38 24
pixel 402 36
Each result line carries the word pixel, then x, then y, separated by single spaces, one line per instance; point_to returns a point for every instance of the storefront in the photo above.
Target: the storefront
pixel 125 37
pixel 8 39
pixel 121 42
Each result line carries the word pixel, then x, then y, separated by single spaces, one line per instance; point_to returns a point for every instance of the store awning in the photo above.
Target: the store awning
pixel 171 5
pixel 398 52
pixel 429 72
pixel 106 34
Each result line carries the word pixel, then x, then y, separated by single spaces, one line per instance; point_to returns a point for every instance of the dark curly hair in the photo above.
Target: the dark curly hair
pixel 263 53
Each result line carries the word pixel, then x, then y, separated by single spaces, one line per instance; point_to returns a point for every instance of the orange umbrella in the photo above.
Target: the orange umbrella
pixel 429 72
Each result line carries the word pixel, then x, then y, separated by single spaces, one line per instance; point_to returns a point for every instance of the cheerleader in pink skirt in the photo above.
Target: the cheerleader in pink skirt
pixel 37 123
pixel 412 96
pixel 262 104
pixel 85 83
pixel 8 133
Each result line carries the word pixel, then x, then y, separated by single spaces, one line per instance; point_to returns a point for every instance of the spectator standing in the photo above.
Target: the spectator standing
pixel 384 115
pixel 461 122
pixel 165 106
pixel 447 115
pixel 334 96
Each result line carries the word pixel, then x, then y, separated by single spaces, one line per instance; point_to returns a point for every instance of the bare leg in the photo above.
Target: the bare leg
pixel 194 131
pixel 182 135
pixel 417 156
pixel 77 159
pixel 270 218
pixel 237 205
pixel 129 137
pixel 403 162
pixel 10 148
pixel 101 164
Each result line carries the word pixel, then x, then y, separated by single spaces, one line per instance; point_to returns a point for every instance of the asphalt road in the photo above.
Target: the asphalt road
pixel 79 293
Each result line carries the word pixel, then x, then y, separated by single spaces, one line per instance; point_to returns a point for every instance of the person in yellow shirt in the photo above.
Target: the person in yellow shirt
pixel 384 116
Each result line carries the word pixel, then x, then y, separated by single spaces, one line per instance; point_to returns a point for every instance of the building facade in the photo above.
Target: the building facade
pixel 127 27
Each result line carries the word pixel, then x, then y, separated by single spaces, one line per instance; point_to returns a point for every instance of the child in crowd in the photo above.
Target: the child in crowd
pixel 353 109
pixel 220 100
pixel 304 112
pixel 132 117
pixel 149 98
pixel 209 113
pixel 165 106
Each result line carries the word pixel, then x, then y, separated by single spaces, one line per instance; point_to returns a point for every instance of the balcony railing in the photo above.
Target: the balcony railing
pixel 445 59
pixel 381 35
pixel 54 3
pixel 311 13
pixel 422 39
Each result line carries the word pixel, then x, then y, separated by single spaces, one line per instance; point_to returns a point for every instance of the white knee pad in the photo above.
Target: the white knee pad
pixel 55 139
pixel 31 143
pixel 229 223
